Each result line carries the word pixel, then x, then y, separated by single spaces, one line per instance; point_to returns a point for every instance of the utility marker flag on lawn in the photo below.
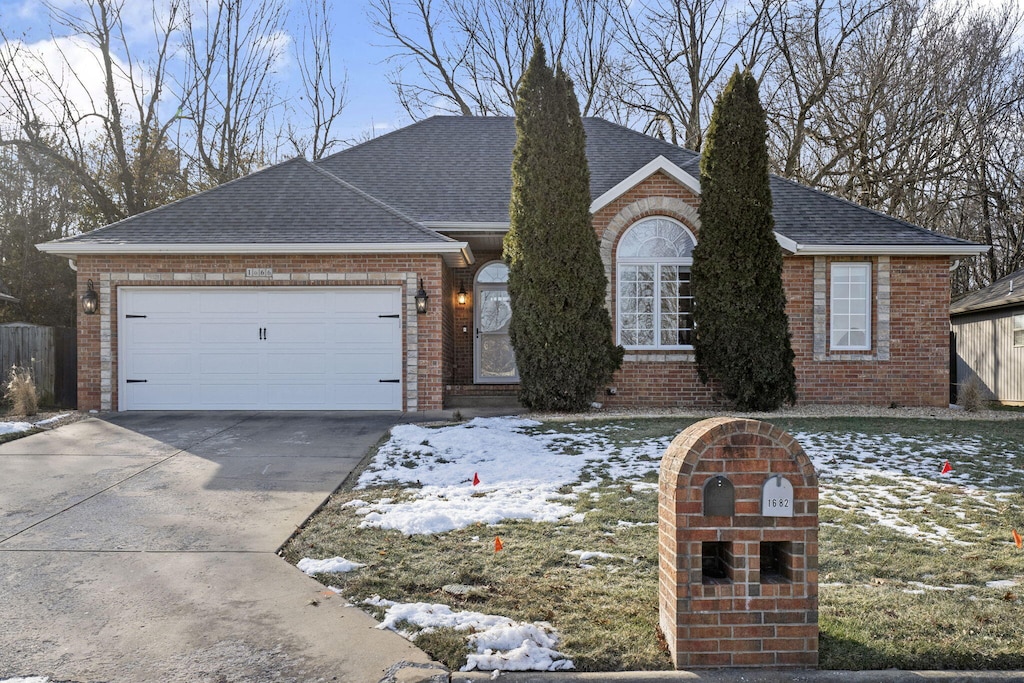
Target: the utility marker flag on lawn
pixel 946 468
pixel 1017 539
pixel 476 479
pixel 498 545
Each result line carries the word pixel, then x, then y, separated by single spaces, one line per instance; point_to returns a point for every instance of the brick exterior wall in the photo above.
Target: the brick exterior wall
pixel 748 617
pixel 423 335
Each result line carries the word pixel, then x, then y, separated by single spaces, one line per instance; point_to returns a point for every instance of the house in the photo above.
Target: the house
pixel 296 287
pixel 988 333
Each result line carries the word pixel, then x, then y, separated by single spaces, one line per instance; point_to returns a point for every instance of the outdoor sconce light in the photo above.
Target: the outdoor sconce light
pixel 421 299
pixel 461 298
pixel 90 300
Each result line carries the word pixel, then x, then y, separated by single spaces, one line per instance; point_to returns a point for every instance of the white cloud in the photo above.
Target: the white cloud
pixel 65 81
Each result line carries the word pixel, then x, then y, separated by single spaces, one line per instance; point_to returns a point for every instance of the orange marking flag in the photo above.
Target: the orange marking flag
pixel 947 468
pixel 1017 540
pixel 498 545
pixel 476 479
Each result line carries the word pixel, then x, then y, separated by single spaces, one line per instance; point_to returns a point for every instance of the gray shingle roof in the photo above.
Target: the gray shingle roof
pixel 457 169
pixel 996 295
pixel 293 202
pixel 450 169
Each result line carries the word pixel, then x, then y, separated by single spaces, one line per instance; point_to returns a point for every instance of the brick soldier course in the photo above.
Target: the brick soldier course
pixel 739 589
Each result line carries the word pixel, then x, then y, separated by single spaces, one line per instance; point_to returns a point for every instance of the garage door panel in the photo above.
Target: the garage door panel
pixel 159 396
pixel 283 301
pixel 286 364
pixel 368 396
pixel 372 365
pixel 366 301
pixel 204 348
pixel 226 395
pixel 297 333
pixel 152 365
pixel 300 395
pixel 367 333
pixel 152 332
pixel 228 333
pixel 156 301
pixel 228 300
pixel 228 363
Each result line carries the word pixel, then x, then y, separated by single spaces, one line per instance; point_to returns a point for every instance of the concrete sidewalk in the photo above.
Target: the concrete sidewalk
pixel 142 547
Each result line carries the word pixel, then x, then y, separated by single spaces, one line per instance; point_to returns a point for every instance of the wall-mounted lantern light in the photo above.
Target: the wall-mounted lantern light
pixel 90 300
pixel 461 298
pixel 421 299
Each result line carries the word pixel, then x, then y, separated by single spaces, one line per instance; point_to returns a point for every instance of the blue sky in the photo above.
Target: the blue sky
pixel 371 100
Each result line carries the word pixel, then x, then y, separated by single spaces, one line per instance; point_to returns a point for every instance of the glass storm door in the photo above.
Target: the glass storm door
pixel 494 360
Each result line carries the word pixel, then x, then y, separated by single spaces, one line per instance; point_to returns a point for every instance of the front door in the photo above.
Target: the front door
pixel 494 359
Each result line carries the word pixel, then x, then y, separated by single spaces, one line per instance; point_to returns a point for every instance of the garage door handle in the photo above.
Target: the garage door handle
pixel 394 315
pixel 129 315
pixel 136 381
pixel 389 381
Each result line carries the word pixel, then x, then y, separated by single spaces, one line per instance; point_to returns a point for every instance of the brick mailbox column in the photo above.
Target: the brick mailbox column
pixel 738 547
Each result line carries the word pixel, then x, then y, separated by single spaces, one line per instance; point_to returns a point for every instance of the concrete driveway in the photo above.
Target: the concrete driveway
pixel 141 547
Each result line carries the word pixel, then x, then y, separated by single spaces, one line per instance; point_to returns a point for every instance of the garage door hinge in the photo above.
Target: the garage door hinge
pixel 129 315
pixel 136 381
pixel 393 315
pixel 385 381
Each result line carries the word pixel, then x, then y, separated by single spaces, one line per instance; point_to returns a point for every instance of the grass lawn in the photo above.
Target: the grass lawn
pixel 917 570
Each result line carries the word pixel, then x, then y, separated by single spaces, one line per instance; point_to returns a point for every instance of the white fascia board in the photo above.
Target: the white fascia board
pixel 886 250
pixel 659 163
pixel 454 253
pixel 787 244
pixel 466 226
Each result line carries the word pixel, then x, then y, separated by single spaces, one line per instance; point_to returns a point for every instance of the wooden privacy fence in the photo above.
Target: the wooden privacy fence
pixel 50 352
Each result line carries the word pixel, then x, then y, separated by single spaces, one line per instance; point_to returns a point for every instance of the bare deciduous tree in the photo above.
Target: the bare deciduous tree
pixel 467 56
pixel 324 93
pixel 680 53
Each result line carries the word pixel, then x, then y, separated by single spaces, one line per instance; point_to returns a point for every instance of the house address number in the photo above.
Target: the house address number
pixel 777 497
pixel 259 272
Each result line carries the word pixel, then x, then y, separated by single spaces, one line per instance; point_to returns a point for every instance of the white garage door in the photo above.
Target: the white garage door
pixel 251 348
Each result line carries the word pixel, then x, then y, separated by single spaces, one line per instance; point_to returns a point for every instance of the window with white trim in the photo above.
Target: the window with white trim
pixel 1018 330
pixel 851 307
pixel 655 300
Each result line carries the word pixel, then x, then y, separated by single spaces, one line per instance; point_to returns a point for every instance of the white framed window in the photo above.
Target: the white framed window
pixel 1018 330
pixel 851 307
pixel 655 299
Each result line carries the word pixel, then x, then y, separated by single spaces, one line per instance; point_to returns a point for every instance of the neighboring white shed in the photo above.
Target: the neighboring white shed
pixel 988 334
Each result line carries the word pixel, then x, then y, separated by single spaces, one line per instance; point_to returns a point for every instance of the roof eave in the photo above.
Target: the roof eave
pixel 456 254
pixel 884 249
pixel 986 308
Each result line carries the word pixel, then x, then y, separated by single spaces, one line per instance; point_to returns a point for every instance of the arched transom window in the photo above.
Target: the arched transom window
pixel 655 302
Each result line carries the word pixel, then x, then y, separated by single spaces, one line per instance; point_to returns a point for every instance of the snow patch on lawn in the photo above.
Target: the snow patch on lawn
pixel 500 643
pixel 526 473
pixel 14 428
pixel 331 565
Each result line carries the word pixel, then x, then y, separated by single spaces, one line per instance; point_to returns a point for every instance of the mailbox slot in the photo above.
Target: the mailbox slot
pixel 776 562
pixel 715 562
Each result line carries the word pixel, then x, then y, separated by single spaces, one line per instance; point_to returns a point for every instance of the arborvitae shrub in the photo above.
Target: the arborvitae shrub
pixel 560 328
pixel 742 332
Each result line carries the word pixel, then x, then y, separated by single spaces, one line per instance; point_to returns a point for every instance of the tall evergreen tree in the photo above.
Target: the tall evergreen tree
pixel 743 340
pixel 560 328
